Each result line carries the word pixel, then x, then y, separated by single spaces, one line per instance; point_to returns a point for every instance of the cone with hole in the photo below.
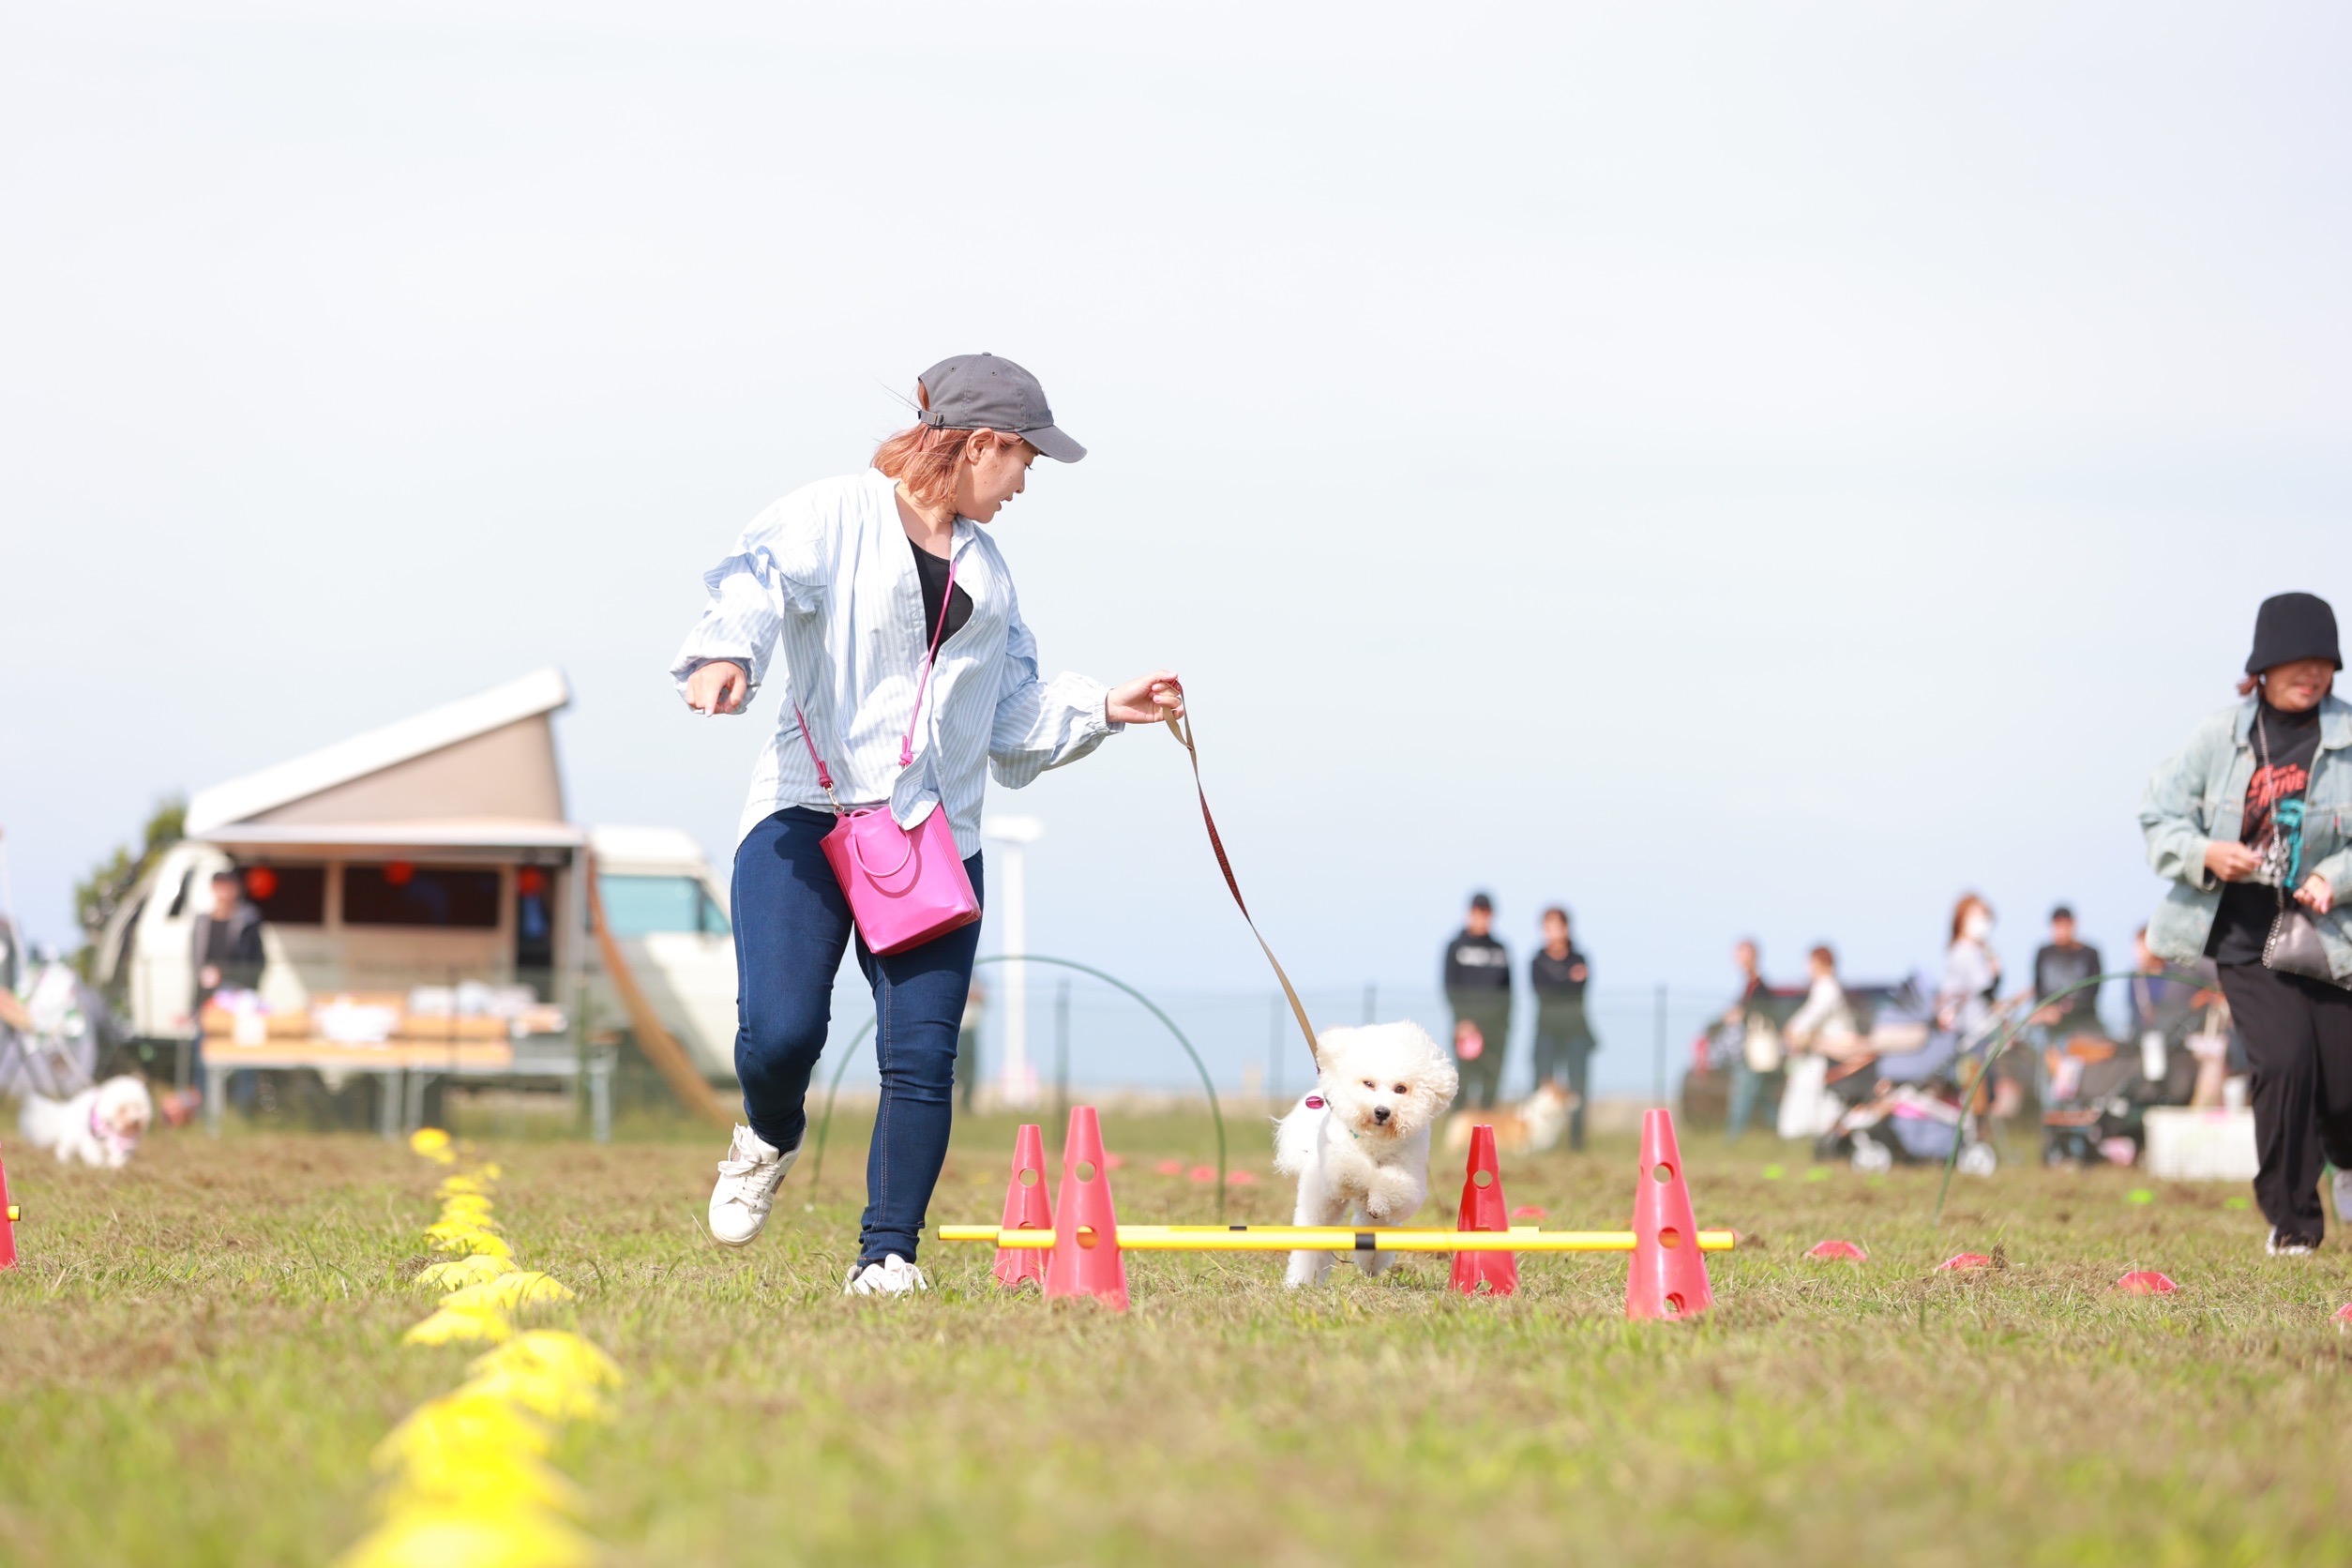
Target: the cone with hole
pixel 1484 1209
pixel 8 1224
pixel 1025 1209
pixel 1669 1278
pixel 1085 1258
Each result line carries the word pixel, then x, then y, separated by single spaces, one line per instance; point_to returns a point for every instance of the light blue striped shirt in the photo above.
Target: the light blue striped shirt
pixel 828 574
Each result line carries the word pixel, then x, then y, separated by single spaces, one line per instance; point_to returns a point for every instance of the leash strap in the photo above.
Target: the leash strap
pixel 1182 729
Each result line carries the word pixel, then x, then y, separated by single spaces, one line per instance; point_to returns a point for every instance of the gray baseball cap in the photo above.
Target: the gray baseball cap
pixel 981 392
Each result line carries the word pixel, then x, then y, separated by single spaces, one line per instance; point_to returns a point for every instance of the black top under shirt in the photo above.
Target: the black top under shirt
pixel 2273 830
pixel 932 569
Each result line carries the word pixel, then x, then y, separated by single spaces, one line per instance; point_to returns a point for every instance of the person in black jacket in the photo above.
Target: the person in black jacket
pixel 225 946
pixel 224 951
pixel 1478 990
pixel 1564 1038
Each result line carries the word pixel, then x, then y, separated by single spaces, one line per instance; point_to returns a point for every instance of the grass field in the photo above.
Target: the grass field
pixel 201 1351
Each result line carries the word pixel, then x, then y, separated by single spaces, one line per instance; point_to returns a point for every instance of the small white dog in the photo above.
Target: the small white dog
pixel 1362 1138
pixel 99 1126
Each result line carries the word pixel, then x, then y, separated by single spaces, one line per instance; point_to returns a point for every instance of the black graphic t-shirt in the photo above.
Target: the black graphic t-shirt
pixel 2273 830
pixel 2056 968
pixel 1479 966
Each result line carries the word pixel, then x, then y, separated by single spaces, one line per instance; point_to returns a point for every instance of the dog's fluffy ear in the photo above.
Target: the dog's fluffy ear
pixel 1445 1081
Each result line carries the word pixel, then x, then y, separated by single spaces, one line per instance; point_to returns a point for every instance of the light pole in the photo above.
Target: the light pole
pixel 1018 1079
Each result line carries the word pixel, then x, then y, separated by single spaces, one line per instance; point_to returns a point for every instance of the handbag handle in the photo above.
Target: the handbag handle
pixel 859 856
pixel 1182 729
pixel 906 745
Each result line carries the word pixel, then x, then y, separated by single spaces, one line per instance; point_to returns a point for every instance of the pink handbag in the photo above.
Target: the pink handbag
pixel 904 888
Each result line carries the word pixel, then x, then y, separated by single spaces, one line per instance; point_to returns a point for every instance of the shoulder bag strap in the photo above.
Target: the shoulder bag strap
pixel 946 603
pixel 906 747
pixel 1182 729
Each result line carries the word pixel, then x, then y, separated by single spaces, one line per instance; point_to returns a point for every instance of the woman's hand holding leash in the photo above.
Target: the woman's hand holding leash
pixel 2230 861
pixel 1146 699
pixel 717 687
pixel 2315 895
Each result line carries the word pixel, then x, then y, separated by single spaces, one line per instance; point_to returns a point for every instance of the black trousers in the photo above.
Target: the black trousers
pixel 2299 1036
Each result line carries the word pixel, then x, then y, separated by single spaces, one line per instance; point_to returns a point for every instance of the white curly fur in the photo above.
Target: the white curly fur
pixel 1366 1146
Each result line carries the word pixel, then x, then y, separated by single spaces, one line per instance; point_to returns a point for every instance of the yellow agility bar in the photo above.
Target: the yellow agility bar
pixel 1331 1237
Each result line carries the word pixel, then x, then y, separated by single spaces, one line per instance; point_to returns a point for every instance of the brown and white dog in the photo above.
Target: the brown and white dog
pixel 1533 1126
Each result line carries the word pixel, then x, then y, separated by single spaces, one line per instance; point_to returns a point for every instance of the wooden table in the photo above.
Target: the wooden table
pixel 409 1066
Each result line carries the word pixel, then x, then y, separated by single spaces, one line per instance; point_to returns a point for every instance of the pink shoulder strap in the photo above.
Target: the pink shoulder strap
pixel 906 745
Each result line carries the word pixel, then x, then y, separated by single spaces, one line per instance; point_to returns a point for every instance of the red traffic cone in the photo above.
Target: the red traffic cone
pixel 1484 1209
pixel 1025 1209
pixel 1085 1260
pixel 1962 1262
pixel 1669 1279
pixel 8 1224
pixel 1834 1248
pixel 2146 1282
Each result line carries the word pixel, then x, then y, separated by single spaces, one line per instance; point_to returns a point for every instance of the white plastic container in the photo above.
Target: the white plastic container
pixel 2217 1145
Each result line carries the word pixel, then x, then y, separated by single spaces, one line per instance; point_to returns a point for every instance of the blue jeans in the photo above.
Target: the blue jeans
pixel 791 927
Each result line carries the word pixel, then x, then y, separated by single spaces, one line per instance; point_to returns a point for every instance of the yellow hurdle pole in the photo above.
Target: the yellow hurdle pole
pixel 1330 1237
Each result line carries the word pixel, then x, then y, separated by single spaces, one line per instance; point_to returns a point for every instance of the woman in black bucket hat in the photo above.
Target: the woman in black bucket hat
pixel 2251 824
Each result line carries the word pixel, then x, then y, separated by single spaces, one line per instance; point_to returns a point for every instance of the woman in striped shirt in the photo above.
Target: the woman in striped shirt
pixel 849 580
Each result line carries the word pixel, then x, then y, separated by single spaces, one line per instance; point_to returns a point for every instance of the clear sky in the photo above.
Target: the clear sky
pixel 1732 468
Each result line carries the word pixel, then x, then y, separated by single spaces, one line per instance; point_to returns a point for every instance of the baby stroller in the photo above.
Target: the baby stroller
pixel 1903 1103
pixel 58 1058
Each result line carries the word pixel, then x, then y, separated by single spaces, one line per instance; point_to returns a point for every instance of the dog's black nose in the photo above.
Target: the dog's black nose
pixel 1379 1113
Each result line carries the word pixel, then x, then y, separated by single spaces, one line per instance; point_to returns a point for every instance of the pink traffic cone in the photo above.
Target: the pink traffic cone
pixel 1669 1279
pixel 1484 1209
pixel 1085 1260
pixel 1025 1209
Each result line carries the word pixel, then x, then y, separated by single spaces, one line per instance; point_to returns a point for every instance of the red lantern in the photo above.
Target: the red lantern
pixel 400 874
pixel 261 884
pixel 530 881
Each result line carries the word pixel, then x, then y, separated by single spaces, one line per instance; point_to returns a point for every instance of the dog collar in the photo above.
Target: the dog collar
pixel 104 1134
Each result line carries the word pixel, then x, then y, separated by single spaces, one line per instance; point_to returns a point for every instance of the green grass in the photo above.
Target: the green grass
pixel 201 1351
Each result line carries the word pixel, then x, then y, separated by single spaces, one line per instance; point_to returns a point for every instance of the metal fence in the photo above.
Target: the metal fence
pixel 1086 1035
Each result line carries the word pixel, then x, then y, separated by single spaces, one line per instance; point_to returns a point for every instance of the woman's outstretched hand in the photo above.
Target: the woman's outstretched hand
pixel 2230 861
pixel 717 687
pixel 2315 895
pixel 1146 699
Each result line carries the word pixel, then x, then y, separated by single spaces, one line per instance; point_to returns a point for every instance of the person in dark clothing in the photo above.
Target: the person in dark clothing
pixel 225 945
pixel 225 953
pixel 1478 990
pixel 1564 1038
pixel 2249 822
pixel 2066 961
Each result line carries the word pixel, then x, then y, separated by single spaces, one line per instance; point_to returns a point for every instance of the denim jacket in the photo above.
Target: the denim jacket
pixel 2198 794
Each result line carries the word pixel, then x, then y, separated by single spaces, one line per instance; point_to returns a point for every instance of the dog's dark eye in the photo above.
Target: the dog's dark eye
pixel 1369 1084
pixel 1402 1090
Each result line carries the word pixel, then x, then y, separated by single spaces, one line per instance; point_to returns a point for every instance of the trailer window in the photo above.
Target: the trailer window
pixel 287 895
pixel 642 906
pixel 400 894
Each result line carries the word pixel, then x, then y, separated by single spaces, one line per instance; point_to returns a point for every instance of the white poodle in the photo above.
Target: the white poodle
pixel 1362 1138
pixel 99 1126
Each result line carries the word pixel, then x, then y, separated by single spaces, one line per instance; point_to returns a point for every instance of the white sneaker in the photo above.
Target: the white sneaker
pixel 747 1180
pixel 2289 1247
pixel 2343 1196
pixel 892 1277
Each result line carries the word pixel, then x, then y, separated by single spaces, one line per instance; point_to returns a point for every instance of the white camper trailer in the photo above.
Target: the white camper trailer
pixel 422 912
